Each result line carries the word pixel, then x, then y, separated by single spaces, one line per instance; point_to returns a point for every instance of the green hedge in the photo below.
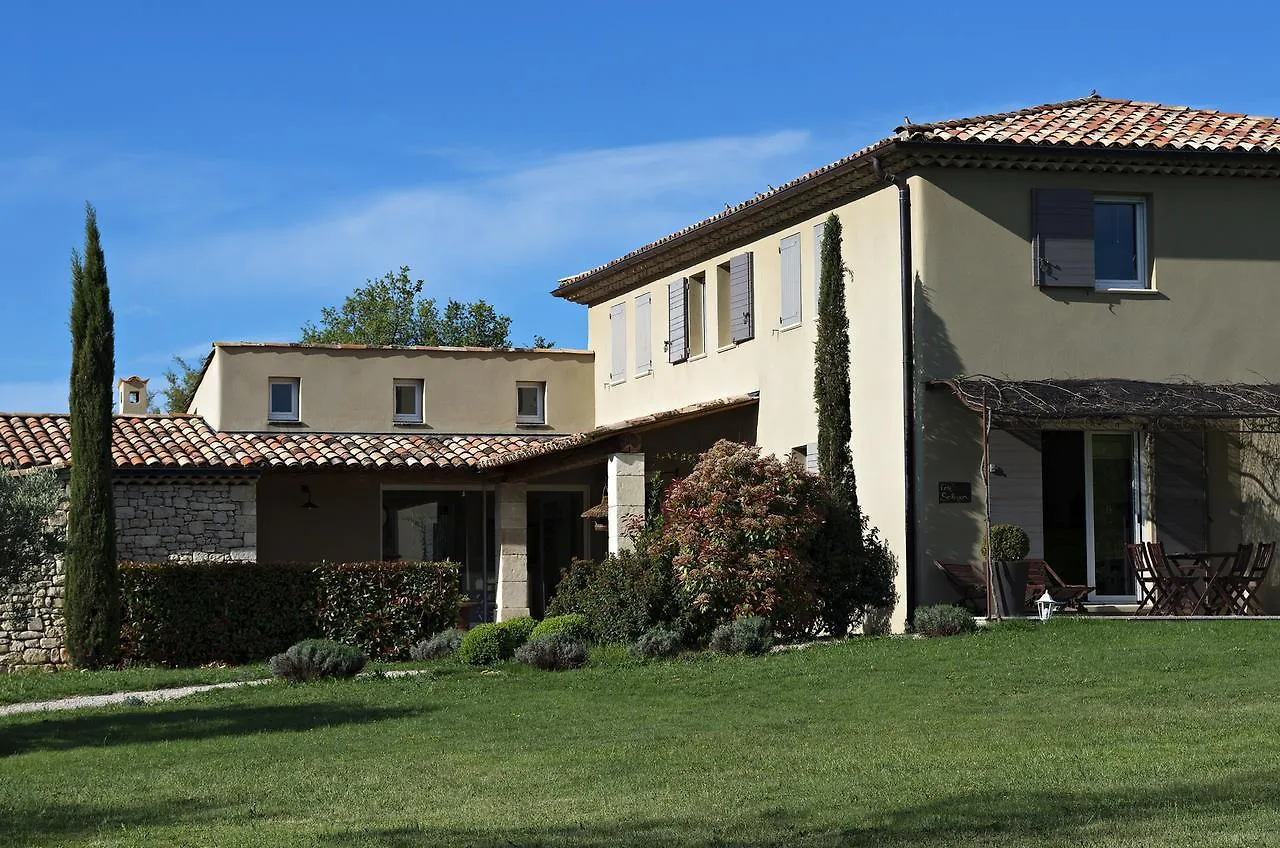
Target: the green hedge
pixel 185 614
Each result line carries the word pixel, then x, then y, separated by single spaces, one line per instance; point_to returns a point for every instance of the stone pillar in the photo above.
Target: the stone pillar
pixel 513 556
pixel 625 490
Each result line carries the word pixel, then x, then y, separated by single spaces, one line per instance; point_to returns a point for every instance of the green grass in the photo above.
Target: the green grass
pixel 23 686
pixel 1075 733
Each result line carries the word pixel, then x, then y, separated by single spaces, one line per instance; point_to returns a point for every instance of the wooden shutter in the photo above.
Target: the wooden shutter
pixel 1062 235
pixel 644 355
pixel 1018 496
pixel 741 298
pixel 677 313
pixel 818 231
pixel 618 340
pixel 789 257
pixel 1180 505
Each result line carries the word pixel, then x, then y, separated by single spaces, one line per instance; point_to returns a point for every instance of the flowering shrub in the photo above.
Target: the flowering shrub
pixel 738 532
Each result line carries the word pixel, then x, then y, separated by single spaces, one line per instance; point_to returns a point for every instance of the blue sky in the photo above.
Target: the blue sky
pixel 252 162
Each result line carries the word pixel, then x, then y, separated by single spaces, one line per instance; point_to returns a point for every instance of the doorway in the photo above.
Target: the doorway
pixel 1090 508
pixel 555 539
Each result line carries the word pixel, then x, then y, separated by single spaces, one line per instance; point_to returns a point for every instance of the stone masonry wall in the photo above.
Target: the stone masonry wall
pixel 155 522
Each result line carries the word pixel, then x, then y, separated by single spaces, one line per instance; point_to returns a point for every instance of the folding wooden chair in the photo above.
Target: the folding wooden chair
pixel 1151 584
pixel 970 581
pixel 1221 591
pixel 1067 594
pixel 1179 587
pixel 1237 590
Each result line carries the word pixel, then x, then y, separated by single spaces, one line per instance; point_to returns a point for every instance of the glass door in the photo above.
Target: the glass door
pixel 1110 472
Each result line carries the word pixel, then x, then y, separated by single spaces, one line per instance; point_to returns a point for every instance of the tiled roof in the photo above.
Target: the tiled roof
pixel 1091 122
pixel 1109 123
pixel 187 442
pixel 553 351
pixel 631 425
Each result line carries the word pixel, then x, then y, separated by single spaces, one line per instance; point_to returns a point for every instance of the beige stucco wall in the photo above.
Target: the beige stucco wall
pixel 1216 279
pixel 779 363
pixel 350 390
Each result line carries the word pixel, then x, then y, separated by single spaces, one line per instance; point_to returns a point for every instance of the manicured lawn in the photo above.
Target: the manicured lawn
pixel 1097 733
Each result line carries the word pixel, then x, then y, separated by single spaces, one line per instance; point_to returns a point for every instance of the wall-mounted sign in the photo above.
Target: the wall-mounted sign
pixel 954 491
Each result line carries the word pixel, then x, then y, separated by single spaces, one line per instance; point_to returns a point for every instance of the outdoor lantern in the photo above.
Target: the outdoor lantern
pixel 1045 604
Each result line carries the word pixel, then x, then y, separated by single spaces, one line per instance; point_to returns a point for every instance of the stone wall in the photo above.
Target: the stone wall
pixel 155 522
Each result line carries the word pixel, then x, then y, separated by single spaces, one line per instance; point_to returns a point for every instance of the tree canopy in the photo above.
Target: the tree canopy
pixel 180 385
pixel 392 311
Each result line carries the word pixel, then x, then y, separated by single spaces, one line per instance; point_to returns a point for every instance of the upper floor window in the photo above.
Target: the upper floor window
pixel 408 402
pixel 531 403
pixel 1087 240
pixel 282 400
pixel 735 300
pixel 1119 242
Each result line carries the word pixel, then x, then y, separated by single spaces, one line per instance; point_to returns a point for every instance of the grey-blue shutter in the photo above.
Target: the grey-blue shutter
pixel 741 299
pixel 1062 235
pixel 618 340
pixel 677 310
pixel 644 332
pixel 789 259
pixel 818 231
pixel 1181 509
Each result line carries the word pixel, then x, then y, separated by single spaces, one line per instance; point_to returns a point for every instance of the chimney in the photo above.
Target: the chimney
pixel 133 396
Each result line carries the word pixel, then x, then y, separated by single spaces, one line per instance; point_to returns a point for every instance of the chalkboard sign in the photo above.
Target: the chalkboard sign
pixel 954 491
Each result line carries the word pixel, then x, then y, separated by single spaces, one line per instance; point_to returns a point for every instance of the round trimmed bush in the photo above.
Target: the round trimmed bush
pixel 943 620
pixel 656 643
pixel 481 645
pixel 752 635
pixel 573 625
pixel 317 658
pixel 515 632
pixel 1008 543
pixel 439 646
pixel 553 652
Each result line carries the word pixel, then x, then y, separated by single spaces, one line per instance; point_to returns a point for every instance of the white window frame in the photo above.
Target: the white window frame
pixel 1140 241
pixel 414 417
pixel 295 385
pixel 541 416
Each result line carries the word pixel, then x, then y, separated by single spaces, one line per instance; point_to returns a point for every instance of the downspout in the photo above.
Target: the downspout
pixel 907 285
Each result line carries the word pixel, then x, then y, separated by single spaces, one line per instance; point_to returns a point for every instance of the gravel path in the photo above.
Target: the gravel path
pixel 155 696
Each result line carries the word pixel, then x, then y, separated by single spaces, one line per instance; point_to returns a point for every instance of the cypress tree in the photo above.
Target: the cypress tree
pixel 93 583
pixel 840 559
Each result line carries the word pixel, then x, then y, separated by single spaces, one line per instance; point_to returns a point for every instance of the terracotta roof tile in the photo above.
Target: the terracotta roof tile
pixel 187 442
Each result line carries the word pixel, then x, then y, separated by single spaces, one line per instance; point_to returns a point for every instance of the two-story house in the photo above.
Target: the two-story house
pixel 1060 317
pixel 1083 290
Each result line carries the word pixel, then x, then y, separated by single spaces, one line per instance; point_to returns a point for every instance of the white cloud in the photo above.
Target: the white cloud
pixel 492 224
pixel 34 396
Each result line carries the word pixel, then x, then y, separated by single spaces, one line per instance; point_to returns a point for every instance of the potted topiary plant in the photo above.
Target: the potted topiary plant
pixel 1007 546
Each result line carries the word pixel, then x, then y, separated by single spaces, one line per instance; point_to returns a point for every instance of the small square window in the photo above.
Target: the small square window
pixel 133 397
pixel 531 403
pixel 408 402
pixel 283 399
pixel 1119 242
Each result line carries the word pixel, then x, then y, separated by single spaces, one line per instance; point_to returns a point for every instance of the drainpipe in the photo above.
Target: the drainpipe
pixel 908 372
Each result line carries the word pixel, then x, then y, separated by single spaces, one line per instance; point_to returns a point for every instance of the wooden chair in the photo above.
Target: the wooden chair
pixel 1220 591
pixel 970 581
pixel 1067 594
pixel 1179 587
pixel 1151 584
pixel 1236 590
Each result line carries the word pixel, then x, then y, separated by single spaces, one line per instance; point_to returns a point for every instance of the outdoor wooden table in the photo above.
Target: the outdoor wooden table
pixel 1204 566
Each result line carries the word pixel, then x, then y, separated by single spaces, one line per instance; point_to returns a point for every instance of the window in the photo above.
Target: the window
pixel 1119 242
pixel 742 320
pixel 1086 240
pixel 644 334
pixel 283 399
pixel 724 330
pixel 618 343
pixel 531 403
pixel 408 402
pixel 789 259
pixel 695 312
pixel 133 397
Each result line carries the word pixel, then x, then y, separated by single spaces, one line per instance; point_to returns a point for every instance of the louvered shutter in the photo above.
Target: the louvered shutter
pixel 677 312
pixel 741 298
pixel 789 256
pixel 811 457
pixel 1062 235
pixel 644 355
pixel 818 231
pixel 618 339
pixel 1181 508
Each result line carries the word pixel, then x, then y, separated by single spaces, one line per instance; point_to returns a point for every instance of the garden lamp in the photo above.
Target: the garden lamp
pixel 1046 605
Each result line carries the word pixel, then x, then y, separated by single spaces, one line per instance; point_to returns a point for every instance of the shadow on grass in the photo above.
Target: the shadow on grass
pixel 1177 813
pixel 65 820
pixel 60 731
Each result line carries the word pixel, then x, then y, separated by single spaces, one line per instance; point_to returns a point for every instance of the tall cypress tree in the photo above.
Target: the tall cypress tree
pixel 93 583
pixel 840 550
